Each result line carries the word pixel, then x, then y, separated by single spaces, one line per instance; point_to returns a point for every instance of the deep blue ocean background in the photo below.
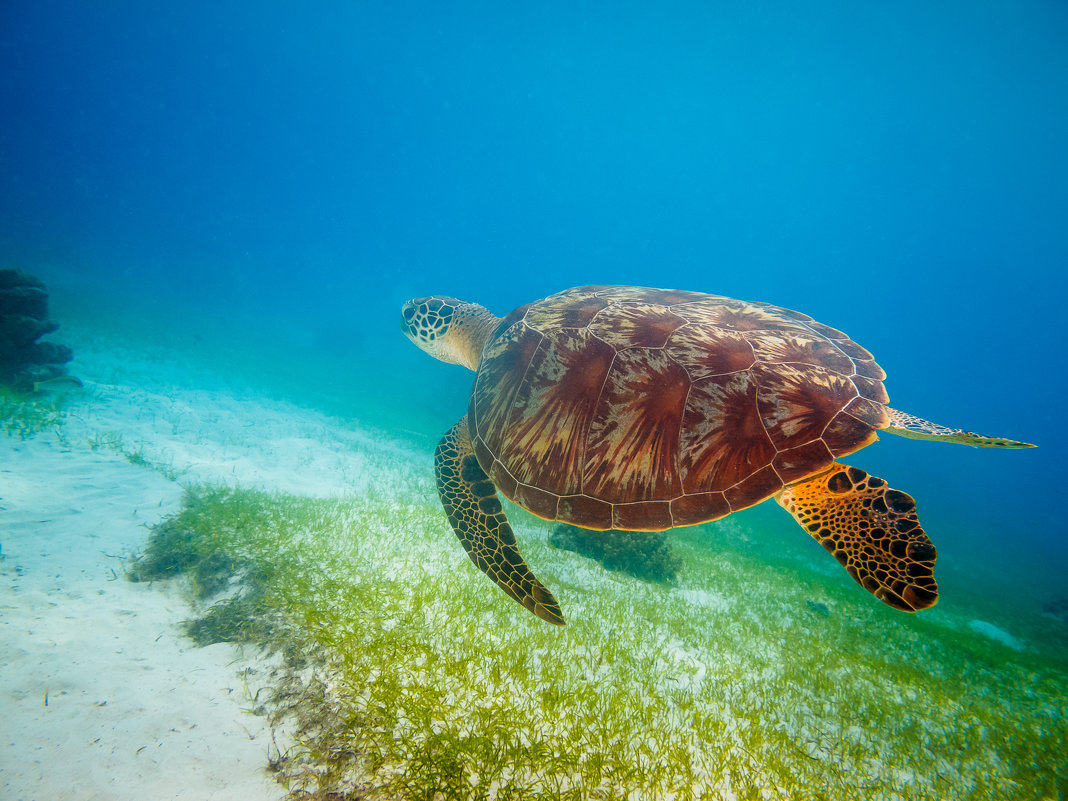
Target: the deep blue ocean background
pixel 285 175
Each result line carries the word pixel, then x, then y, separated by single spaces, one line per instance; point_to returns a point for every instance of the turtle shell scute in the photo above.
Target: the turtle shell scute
pixel 543 504
pixel 593 513
pixel 632 445
pixel 830 333
pixel 642 516
pixel 853 350
pixel 625 325
pixel 762 484
pixel 846 433
pixel 737 315
pixel 795 463
pixel 797 401
pixel 869 412
pixel 802 347
pixel 869 369
pixel 705 351
pixel 723 438
pixel 688 510
pixel 661 297
pixel 578 312
pixel 545 439
pixel 871 389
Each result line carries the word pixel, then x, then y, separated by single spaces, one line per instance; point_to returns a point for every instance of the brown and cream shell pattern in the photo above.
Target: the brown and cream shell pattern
pixel 635 408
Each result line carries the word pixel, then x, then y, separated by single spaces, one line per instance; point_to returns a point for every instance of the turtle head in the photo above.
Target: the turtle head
pixel 448 329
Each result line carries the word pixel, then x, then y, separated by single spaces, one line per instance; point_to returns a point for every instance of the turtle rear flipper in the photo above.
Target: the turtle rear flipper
pixel 907 425
pixel 872 530
pixel 476 515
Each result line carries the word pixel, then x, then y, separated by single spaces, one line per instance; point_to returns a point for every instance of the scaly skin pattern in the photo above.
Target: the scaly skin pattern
pixel 872 530
pixel 448 329
pixel 908 425
pixel 644 409
pixel 476 516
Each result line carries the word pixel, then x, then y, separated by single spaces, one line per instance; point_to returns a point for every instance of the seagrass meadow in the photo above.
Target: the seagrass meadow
pixel 405 674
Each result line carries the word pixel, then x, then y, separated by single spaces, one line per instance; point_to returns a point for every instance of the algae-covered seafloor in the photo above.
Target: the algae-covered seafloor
pixel 392 669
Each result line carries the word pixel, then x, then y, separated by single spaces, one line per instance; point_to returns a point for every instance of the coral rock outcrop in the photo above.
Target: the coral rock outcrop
pixel 24 359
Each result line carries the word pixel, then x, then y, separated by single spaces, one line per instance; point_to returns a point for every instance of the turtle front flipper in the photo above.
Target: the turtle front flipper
pixel 872 530
pixel 908 425
pixel 476 515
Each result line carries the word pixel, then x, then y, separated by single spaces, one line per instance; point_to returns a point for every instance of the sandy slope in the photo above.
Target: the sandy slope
pixel 102 696
pixel 133 709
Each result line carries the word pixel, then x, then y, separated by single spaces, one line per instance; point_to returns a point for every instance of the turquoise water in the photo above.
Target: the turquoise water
pixel 273 182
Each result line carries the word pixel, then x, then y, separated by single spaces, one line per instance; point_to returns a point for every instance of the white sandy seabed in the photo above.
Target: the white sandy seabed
pixel 102 696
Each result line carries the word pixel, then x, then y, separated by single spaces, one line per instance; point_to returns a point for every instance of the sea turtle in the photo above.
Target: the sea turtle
pixel 635 408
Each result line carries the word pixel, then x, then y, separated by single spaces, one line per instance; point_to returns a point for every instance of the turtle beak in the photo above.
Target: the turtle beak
pixel 407 315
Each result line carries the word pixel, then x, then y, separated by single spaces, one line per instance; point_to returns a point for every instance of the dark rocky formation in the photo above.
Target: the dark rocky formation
pixel 23 321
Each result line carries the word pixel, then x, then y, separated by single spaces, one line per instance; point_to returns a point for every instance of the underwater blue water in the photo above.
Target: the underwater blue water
pixel 898 171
